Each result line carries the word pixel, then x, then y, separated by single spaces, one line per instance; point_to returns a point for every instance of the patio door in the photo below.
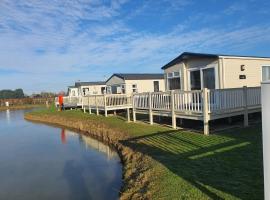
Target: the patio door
pixel 202 78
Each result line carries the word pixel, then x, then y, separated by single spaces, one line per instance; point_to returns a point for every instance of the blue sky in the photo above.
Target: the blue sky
pixel 47 45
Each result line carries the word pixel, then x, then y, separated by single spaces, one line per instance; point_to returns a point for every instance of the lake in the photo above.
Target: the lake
pixel 43 162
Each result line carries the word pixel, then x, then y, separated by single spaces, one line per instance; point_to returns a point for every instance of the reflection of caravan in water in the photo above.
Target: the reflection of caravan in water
pixel 88 142
pixel 93 143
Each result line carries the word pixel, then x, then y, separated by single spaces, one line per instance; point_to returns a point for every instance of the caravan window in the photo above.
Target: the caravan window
pixel 174 81
pixel 266 73
pixel 123 89
pixel 134 88
pixel 85 91
pixel 103 90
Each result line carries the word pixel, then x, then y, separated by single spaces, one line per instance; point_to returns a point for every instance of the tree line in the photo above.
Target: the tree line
pixel 12 94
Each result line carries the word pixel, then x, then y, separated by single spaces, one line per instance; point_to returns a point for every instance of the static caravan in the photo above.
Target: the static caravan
pixel 194 71
pixel 72 91
pixel 135 83
pixel 90 88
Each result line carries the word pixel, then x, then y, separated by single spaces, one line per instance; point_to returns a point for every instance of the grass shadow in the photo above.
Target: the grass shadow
pixel 224 166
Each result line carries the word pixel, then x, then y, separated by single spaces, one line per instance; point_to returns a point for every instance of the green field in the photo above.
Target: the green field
pixel 227 165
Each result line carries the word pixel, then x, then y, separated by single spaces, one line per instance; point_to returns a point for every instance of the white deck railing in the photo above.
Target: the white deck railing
pixel 199 104
pixel 161 101
pixel 67 100
pixel 111 100
pixel 227 100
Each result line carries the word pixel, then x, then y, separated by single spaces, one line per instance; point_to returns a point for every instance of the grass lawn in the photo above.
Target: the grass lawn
pixel 189 165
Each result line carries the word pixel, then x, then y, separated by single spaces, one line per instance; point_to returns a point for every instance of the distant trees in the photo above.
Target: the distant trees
pixel 43 95
pixel 11 94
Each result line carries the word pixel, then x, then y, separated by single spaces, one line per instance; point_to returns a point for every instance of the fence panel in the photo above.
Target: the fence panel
pixel 161 100
pixel 118 100
pixel 188 101
pixel 225 99
pixel 141 101
pixel 254 96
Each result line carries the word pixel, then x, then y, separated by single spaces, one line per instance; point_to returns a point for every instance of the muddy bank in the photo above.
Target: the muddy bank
pixel 136 166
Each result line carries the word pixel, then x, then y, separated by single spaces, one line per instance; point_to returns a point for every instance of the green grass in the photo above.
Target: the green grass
pixel 193 166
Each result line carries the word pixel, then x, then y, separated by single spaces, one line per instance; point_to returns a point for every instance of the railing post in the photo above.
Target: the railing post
pixel 83 107
pixel 79 101
pixel 97 111
pixel 150 108
pixel 245 106
pixel 205 93
pixel 128 115
pixel 173 110
pixel 89 105
pixel 133 108
pixel 105 105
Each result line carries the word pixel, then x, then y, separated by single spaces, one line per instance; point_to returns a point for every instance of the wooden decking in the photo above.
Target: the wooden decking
pixel 203 105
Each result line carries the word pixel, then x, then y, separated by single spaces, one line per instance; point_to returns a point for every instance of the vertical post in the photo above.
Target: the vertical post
pixel 133 108
pixel 84 110
pixel 265 96
pixel 105 105
pixel 245 106
pixel 150 108
pixel 78 100
pixel 97 111
pixel 205 93
pixel 173 110
pixel 89 105
pixel 128 115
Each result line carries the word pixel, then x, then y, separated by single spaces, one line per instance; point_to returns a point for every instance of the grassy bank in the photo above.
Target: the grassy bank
pixel 21 107
pixel 160 163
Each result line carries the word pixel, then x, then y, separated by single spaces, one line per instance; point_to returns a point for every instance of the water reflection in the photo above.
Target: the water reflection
pixel 63 136
pixel 88 142
pixel 92 143
pixel 43 162
pixel 8 116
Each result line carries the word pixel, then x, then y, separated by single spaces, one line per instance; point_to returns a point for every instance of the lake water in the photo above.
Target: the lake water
pixel 42 162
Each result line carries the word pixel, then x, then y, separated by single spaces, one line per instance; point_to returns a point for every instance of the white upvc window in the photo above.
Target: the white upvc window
pixel 265 73
pixel 109 90
pixel 174 80
pixel 123 89
pixel 134 88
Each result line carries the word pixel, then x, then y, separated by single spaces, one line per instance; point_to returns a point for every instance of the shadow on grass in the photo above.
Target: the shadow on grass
pixel 220 166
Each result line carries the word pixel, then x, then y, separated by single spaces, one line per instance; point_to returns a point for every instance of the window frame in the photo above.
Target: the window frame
pixel 172 76
pixel 268 71
pixel 134 89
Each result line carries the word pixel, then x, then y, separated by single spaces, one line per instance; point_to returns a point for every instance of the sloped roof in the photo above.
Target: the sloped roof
pixel 189 55
pixel 77 84
pixel 138 76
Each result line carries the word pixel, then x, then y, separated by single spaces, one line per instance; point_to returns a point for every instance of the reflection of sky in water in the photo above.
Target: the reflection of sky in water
pixel 42 162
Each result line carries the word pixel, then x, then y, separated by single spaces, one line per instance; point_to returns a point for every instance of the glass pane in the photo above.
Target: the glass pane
pixel 176 74
pixel 195 80
pixel 209 78
pixel 156 86
pixel 174 83
pixel 266 73
pixel 170 75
